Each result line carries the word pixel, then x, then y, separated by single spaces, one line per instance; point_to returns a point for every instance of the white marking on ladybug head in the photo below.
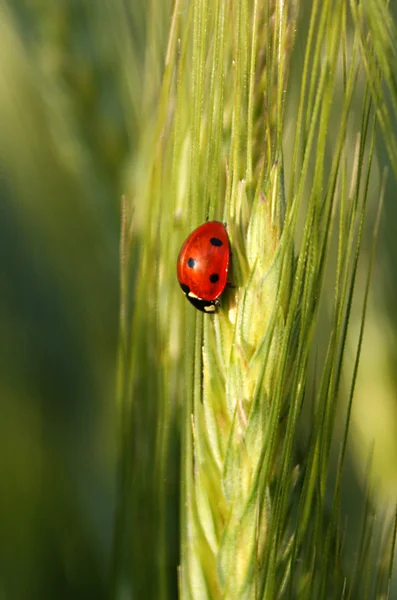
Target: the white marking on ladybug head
pixel 210 309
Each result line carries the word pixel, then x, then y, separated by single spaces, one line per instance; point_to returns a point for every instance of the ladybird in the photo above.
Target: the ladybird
pixel 202 265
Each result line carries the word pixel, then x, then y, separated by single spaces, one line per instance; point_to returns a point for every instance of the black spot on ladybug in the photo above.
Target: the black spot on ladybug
pixel 191 263
pixel 214 277
pixel 185 288
pixel 216 241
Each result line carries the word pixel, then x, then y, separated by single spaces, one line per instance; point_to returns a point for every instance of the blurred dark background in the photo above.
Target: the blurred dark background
pixel 65 144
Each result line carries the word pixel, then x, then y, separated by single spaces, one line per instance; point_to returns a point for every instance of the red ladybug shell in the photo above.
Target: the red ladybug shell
pixel 203 263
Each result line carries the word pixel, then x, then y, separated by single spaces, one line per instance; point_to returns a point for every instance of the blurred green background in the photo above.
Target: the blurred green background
pixel 67 136
pixel 78 82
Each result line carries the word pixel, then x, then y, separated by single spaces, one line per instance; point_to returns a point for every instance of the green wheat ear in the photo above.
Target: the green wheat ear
pixel 235 412
pixel 239 354
pixel 250 366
